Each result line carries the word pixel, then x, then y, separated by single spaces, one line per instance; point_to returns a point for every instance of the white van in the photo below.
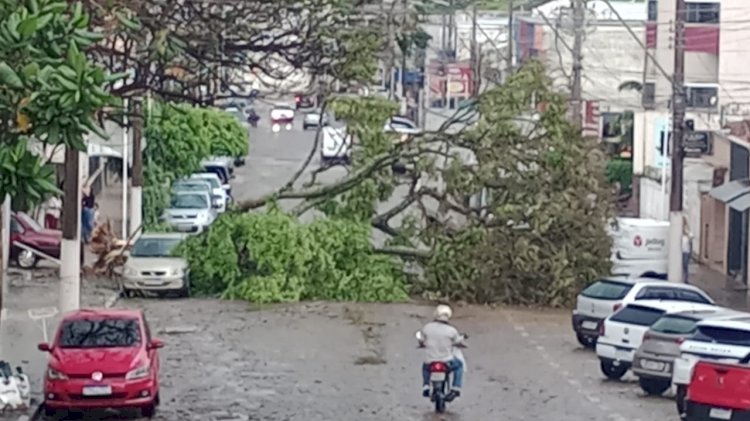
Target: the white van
pixel 335 144
pixel 639 247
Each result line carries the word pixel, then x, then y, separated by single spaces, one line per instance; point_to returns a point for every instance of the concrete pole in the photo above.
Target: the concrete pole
pixel 576 93
pixel 125 146
pixel 70 253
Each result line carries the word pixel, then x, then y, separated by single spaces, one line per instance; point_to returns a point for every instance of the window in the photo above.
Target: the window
pixel 104 333
pixel 702 12
pixel 611 125
pixel 673 324
pixel 701 96
pixel 653 10
pixel 637 315
pixel 154 247
pixel 189 201
pixel 671 294
pixel 607 290
pixel 648 98
pixel 723 335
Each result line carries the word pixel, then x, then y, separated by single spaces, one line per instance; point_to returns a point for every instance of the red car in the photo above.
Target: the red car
pixel 102 359
pixel 719 391
pixel 303 101
pixel 25 230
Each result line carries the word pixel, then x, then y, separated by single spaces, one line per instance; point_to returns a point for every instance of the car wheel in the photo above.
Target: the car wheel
pixel 654 387
pixel 681 401
pixel 149 411
pixel 26 259
pixel 586 341
pixel 612 371
pixel 185 290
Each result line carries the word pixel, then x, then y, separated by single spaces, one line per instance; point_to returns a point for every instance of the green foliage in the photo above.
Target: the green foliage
pixel 271 257
pixel 179 137
pixel 49 90
pixel 547 203
pixel 620 171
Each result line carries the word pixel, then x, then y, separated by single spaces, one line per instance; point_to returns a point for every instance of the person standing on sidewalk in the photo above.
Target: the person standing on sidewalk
pixel 687 250
pixel 52 210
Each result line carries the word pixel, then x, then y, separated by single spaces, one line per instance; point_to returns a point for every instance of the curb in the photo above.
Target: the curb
pixel 35 416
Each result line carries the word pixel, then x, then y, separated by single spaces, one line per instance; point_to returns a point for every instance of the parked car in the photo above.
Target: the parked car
pixel 335 145
pixel 152 267
pixel 24 230
pixel 187 185
pixel 401 125
pixel 719 391
pixel 223 160
pixel 726 340
pixel 653 360
pixel 605 296
pixel 303 101
pixel 621 333
pixel 190 212
pixel 221 169
pixel 315 119
pixel 102 359
pixel 219 195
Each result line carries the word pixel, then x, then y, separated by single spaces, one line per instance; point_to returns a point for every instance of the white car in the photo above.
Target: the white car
pixel 607 295
pixel 314 119
pixel 621 334
pixel 219 196
pixel 190 212
pixel 723 340
pixel 335 145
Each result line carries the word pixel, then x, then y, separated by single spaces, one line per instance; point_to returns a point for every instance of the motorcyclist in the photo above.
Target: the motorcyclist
pixel 440 339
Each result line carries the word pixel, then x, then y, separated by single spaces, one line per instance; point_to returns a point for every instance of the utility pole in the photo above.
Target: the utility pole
pixel 678 130
pixel 70 253
pixel 576 90
pixel 136 182
pixel 474 54
pixel 510 36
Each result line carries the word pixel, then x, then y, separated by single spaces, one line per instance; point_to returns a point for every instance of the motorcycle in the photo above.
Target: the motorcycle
pixel 441 376
pixel 15 389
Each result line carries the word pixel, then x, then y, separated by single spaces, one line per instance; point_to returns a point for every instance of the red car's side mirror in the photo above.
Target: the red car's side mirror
pixel 156 344
pixel 44 347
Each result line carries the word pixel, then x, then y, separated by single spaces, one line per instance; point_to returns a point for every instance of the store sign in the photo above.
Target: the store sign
pixel 697 144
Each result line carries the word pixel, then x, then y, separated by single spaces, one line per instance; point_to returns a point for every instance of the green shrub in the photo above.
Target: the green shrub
pixel 271 257
pixel 620 171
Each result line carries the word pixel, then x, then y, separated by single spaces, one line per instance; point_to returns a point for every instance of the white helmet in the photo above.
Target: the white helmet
pixel 443 313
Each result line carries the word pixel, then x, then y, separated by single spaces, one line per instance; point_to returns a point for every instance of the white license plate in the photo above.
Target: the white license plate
pixel 437 377
pixel 652 365
pixel 97 390
pixel 720 414
pixel 590 325
pixel 153 282
pixel 622 354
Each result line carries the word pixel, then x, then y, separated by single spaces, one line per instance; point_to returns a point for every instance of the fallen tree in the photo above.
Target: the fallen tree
pixel 507 209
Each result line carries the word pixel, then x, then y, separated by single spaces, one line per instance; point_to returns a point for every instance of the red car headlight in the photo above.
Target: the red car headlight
pixel 53 374
pixel 138 373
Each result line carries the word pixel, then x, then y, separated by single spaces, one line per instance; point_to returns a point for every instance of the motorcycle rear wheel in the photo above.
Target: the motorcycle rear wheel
pixel 439 403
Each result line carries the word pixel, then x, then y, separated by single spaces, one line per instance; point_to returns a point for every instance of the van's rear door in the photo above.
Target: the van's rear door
pixel 721 385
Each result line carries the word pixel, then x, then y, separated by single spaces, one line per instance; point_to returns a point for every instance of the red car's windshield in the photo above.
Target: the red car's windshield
pixel 100 333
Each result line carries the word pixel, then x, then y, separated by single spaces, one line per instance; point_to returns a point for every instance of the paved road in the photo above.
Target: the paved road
pixel 321 362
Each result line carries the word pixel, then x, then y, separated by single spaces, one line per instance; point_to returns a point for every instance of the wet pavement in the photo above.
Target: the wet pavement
pixel 330 362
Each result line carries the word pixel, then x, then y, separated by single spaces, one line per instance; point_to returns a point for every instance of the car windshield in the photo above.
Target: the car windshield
pixel 154 247
pixel 607 290
pixel 185 186
pixel 100 333
pixel 674 324
pixel 215 184
pixel 29 221
pixel 218 171
pixel 637 315
pixel 189 201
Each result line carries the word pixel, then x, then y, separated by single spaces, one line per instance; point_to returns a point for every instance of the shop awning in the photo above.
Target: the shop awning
pixel 741 204
pixel 731 191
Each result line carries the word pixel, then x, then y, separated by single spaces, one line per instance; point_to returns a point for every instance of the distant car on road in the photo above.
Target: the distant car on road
pixel 190 212
pixel 303 101
pixel 314 119
pixel 282 116
pixel 152 267
pixel 102 359
pixel 26 231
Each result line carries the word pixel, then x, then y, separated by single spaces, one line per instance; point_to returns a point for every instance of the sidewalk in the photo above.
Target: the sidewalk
pixel 726 292
pixel 20 334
